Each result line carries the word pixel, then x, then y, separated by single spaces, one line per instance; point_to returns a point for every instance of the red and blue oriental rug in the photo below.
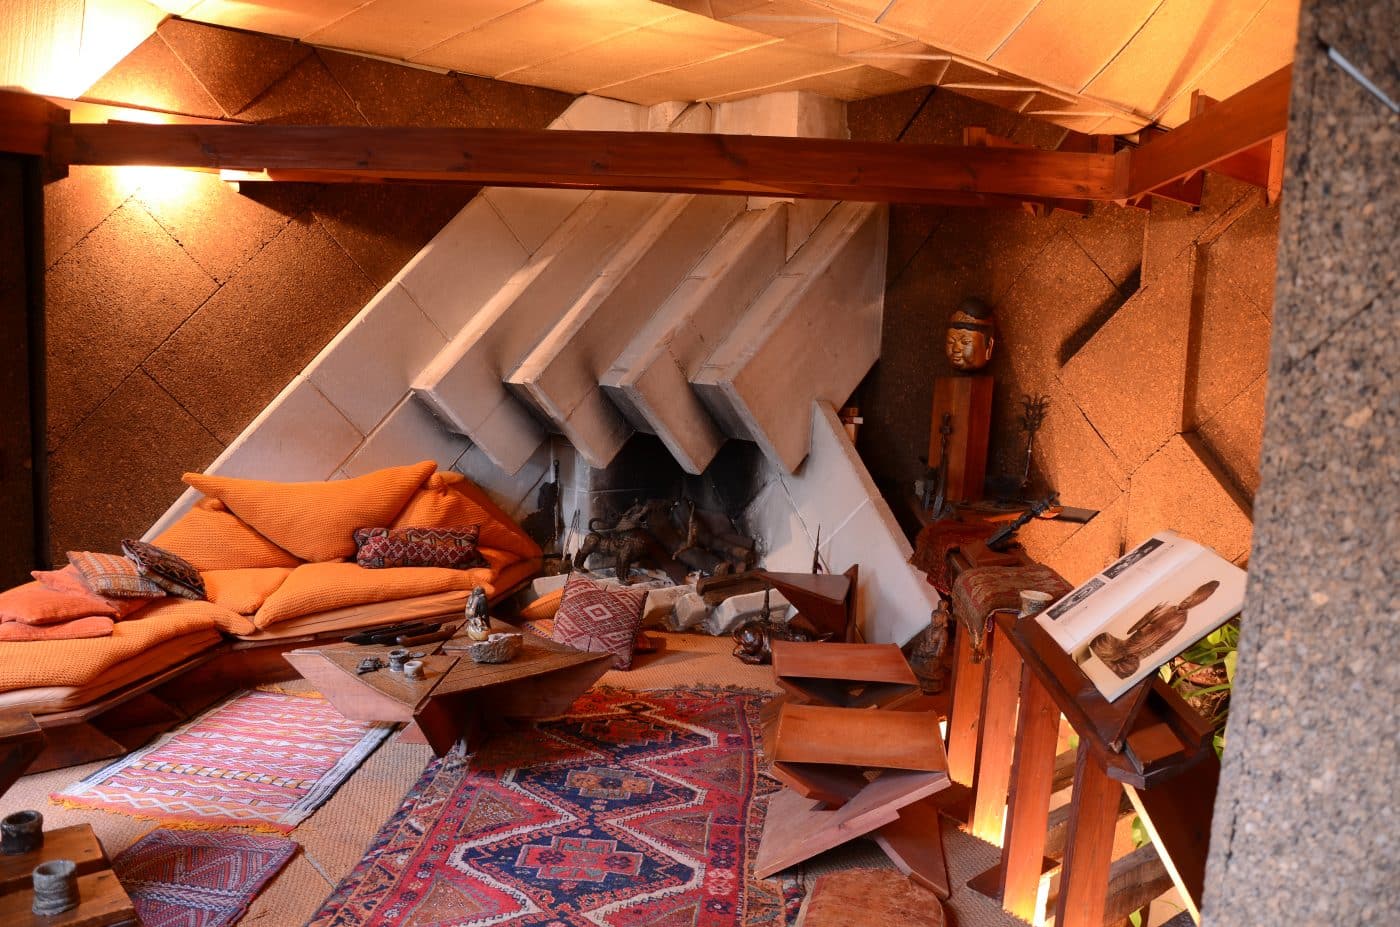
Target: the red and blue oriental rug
pixel 639 808
pixel 182 878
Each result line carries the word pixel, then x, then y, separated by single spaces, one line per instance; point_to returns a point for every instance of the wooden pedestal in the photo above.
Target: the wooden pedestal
pixel 969 401
pixel 102 901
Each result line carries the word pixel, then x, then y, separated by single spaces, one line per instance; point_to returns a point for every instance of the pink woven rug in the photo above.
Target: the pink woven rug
pixel 181 878
pixel 262 760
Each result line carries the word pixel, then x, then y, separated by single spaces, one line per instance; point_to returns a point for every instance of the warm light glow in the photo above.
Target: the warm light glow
pixel 160 186
pixel 61 49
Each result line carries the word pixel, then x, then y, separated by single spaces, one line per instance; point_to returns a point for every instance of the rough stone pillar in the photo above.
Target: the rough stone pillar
pixel 1307 823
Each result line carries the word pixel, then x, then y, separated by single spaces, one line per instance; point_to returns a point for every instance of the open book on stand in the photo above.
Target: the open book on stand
pixel 1143 609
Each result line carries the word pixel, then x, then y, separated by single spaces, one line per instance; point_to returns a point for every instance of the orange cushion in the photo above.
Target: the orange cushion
pixel 320 587
pixel 316 521
pixel 77 629
pixel 211 537
pixel 544 607
pixel 174 608
pixel 34 603
pixel 450 500
pixel 243 591
pixel 76 662
pixel 69 579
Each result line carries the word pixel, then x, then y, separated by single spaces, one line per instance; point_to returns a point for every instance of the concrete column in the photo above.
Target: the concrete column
pixel 1307 823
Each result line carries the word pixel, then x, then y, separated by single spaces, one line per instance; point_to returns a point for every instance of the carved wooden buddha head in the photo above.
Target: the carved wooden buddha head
pixel 971 335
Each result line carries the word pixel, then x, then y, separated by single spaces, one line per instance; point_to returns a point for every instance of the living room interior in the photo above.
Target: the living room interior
pixel 805 462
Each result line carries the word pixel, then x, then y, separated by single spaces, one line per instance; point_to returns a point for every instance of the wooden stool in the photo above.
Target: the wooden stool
pixel 825 756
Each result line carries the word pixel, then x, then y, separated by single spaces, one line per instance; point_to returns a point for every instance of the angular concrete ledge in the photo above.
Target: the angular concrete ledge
pixel 560 376
pixel 464 385
pixel 649 381
pixel 812 335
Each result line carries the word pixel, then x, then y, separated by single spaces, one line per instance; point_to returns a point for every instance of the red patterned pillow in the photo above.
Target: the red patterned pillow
pixel 600 619
pixel 377 548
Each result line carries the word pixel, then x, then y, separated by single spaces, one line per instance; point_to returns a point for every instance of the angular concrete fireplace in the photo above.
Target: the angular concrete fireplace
pixel 652 344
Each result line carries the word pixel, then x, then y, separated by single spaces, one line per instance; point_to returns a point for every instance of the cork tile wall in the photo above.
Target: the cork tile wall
pixel 1148 331
pixel 178 307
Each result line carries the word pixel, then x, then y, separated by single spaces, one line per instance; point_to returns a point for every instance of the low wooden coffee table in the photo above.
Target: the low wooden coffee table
pixel 457 698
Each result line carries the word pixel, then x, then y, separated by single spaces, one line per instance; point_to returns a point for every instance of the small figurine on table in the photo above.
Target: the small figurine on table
pixel 478 624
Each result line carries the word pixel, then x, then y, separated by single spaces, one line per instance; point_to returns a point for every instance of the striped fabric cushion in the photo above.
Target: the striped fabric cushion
pixel 113 576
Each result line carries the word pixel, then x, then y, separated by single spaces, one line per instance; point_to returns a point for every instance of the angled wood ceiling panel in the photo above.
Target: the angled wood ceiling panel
pixel 1091 65
pixel 385 27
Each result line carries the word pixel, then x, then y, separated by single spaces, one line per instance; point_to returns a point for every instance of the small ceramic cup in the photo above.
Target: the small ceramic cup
pixel 55 887
pixel 21 832
pixel 413 669
pixel 1033 602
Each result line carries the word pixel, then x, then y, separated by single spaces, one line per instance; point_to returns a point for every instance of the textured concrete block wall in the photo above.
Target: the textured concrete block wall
pixel 179 308
pixel 1306 821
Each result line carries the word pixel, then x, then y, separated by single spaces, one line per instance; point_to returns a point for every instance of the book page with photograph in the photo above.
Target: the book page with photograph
pixel 1074 619
pixel 1161 621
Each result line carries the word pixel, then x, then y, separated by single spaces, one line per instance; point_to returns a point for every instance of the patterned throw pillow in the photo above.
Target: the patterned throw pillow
pixel 170 572
pixel 600 619
pixel 113 576
pixel 377 548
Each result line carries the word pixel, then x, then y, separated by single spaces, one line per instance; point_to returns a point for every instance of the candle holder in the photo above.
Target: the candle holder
pixel 21 832
pixel 55 887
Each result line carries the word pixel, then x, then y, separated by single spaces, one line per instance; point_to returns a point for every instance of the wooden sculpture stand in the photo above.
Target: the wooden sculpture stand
pixel 824 750
pixel 102 901
pixel 1149 741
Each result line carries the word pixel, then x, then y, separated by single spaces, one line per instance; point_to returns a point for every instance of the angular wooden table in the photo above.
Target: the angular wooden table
pixel 456 697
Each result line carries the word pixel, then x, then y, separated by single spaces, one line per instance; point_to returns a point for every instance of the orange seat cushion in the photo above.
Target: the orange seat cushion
pixel 316 521
pixel 174 607
pixel 211 537
pixel 243 591
pixel 321 587
pixel 450 500
pixel 544 607
pixel 77 629
pixel 77 662
pixel 35 603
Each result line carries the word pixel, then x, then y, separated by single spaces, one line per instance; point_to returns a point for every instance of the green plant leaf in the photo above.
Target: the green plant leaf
pixel 1140 835
pixel 1231 659
pixel 1135 919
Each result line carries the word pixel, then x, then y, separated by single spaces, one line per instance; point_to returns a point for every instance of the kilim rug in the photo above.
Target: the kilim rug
pixel 638 808
pixel 182 878
pixel 260 759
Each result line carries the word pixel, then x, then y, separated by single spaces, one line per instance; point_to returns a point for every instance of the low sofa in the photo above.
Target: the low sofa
pixel 277 560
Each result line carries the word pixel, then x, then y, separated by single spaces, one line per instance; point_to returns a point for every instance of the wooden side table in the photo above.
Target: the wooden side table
pixel 456 695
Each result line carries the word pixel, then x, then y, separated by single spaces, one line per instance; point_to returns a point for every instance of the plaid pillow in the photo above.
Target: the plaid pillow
pixel 171 572
pixel 600 619
pixel 378 548
pixel 113 576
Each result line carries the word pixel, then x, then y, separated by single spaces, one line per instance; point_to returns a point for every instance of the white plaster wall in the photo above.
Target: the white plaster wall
pixel 833 490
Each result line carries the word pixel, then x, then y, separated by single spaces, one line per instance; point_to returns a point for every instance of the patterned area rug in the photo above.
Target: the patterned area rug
pixel 260 759
pixel 181 878
pixel 639 808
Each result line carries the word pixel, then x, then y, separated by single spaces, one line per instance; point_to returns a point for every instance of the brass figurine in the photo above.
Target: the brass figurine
pixel 971 335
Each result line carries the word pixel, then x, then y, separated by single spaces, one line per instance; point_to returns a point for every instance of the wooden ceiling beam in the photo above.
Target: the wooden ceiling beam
pixel 800 191
pixel 1254 115
pixel 752 164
